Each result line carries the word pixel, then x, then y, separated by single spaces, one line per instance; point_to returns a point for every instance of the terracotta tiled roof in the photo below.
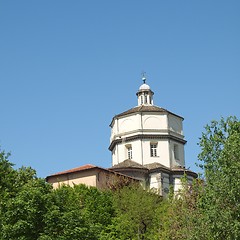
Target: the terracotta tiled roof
pixel 87 167
pixel 145 108
pixel 77 169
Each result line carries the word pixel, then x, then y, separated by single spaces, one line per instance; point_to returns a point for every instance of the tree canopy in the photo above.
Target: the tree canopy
pixel 220 158
pixel 208 209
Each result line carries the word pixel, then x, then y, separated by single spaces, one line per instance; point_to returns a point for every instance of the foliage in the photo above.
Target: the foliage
pixel 135 211
pixel 118 181
pixel 78 212
pixel 220 203
pixel 31 209
pixel 22 215
pixel 7 175
pixel 207 209
pixel 178 214
pixel 22 203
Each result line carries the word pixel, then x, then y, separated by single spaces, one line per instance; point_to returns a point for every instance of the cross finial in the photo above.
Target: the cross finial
pixel 144 77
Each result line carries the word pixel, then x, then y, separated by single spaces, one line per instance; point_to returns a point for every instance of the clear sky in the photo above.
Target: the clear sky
pixel 67 67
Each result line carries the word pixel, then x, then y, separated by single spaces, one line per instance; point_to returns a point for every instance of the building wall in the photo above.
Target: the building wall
pixel 177 182
pixel 120 152
pixel 160 182
pixel 141 152
pixel 126 126
pixel 139 174
pixel 154 123
pixel 83 177
pixel 105 179
pixel 147 122
pixel 178 160
pixel 96 177
pixel 175 124
pixel 162 152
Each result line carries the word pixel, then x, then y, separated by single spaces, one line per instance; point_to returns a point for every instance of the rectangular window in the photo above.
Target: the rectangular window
pixel 153 149
pixel 129 152
pixel 176 152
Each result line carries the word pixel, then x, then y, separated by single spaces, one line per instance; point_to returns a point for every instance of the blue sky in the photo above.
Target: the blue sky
pixel 67 67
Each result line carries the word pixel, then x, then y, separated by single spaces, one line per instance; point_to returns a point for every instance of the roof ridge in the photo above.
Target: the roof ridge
pixel 83 167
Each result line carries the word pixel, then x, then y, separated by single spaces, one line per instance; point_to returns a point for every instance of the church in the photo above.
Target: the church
pixel 147 144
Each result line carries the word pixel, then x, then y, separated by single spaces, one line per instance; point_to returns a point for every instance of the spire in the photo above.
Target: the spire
pixel 144 93
pixel 144 77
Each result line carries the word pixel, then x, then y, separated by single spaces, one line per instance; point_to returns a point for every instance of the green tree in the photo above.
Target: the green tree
pixel 64 218
pixel 177 216
pixel 78 212
pixel 22 215
pixel 220 159
pixel 31 209
pixel 22 201
pixel 7 175
pixel 135 211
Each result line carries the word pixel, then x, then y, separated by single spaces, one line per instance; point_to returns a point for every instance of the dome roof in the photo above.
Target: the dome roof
pixel 146 109
pixel 144 87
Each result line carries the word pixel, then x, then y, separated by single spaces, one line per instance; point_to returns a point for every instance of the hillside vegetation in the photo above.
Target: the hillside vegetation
pixel 209 209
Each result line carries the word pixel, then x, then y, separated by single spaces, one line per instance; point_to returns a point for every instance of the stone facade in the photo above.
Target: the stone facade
pixel 147 143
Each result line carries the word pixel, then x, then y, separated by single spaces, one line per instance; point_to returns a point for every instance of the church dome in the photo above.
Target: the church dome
pixel 144 87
